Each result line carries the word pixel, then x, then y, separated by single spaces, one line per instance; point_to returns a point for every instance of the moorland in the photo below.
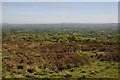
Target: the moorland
pixel 64 50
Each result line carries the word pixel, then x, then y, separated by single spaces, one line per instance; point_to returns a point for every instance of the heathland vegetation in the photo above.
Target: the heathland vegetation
pixel 60 51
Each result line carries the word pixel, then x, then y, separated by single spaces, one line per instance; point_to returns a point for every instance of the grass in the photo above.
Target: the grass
pixel 49 54
pixel 0 64
pixel 93 69
pixel 96 69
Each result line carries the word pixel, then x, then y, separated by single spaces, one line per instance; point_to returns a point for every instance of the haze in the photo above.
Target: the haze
pixel 59 12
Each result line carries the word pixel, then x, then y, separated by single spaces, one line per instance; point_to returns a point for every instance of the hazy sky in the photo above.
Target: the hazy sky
pixel 57 12
pixel 60 0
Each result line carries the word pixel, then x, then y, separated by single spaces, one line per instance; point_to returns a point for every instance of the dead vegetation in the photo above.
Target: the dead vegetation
pixel 58 56
pixel 41 54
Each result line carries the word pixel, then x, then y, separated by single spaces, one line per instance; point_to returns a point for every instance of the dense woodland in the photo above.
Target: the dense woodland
pixel 64 50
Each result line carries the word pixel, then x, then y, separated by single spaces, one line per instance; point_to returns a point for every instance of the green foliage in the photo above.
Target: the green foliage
pixel 60 51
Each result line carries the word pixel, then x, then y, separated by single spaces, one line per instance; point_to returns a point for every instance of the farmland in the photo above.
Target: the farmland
pixel 60 51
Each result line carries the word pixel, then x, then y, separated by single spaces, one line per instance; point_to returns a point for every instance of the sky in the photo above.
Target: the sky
pixel 59 12
pixel 0 13
pixel 60 0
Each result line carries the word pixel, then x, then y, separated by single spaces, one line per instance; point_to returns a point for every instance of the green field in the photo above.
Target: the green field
pixel 60 51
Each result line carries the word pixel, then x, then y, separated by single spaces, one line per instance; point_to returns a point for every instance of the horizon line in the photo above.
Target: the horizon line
pixel 60 23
